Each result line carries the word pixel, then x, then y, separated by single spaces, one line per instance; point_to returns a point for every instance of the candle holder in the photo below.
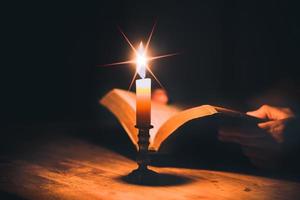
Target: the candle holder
pixel 142 175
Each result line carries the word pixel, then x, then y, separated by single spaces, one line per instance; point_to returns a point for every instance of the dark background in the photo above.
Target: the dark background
pixel 233 53
pixel 238 54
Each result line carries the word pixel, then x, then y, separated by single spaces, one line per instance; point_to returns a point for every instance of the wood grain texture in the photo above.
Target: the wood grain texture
pixel 74 169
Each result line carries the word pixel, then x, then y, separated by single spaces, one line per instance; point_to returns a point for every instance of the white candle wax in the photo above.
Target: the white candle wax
pixel 143 102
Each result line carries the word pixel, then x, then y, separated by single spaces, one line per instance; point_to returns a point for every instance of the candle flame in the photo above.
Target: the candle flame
pixel 141 61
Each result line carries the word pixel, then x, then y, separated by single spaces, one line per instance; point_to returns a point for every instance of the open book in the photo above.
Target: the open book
pixel 165 118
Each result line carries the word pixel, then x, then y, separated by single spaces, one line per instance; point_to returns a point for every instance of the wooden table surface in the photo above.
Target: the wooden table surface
pixel 75 169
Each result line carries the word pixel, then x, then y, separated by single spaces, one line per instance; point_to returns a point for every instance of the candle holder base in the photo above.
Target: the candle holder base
pixel 142 176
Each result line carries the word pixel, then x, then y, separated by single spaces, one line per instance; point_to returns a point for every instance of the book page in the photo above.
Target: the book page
pixel 164 118
pixel 123 105
pixel 178 120
pixel 160 113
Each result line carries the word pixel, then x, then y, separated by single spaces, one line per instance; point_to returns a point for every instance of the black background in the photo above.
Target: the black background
pixel 232 53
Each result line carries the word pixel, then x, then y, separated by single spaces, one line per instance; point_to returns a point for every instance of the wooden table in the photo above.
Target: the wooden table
pixel 75 169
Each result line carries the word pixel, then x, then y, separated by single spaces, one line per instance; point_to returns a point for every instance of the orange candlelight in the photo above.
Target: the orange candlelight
pixel 143 90
pixel 143 85
pixel 143 102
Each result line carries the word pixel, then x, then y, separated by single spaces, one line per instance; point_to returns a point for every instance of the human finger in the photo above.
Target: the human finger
pixel 160 96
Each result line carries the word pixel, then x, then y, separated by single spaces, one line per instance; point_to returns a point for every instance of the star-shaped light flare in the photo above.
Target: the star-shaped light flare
pixel 141 59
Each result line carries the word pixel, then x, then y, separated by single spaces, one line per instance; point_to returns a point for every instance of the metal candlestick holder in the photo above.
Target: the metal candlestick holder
pixel 142 175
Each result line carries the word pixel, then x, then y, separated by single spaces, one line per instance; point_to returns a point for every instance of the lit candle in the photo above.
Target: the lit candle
pixel 143 91
pixel 143 102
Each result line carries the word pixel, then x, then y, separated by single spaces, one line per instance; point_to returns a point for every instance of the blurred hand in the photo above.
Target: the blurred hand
pixel 262 145
pixel 160 96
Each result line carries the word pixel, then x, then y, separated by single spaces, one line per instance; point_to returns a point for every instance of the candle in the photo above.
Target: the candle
pixel 143 90
pixel 143 102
